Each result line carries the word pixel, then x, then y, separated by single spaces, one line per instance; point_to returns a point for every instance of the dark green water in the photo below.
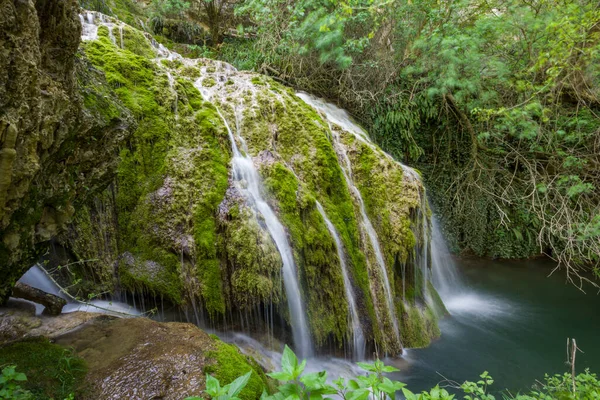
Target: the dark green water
pixel 511 320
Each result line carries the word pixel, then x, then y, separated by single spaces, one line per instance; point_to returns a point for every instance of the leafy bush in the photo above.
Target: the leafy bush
pixel 295 385
pixel 53 371
pixel 9 384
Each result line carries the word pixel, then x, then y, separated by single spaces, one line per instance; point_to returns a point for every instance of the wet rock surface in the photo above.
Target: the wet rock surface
pixel 54 149
pixel 18 320
pixel 141 359
pixel 133 358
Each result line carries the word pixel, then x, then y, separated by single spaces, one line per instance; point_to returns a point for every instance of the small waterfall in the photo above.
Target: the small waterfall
pixel 121 36
pixel 36 277
pixel 174 92
pixel 111 34
pixel 89 30
pixel 358 339
pixel 340 117
pixel 446 278
pixel 248 180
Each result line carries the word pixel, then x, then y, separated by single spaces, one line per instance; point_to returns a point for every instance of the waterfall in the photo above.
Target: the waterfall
pixel 36 277
pixel 446 278
pixel 248 181
pixel 121 36
pixel 111 34
pixel 358 339
pixel 89 30
pixel 174 92
pixel 340 117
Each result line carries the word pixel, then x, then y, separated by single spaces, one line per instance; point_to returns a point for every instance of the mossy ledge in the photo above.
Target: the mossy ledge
pixel 181 231
pixel 60 130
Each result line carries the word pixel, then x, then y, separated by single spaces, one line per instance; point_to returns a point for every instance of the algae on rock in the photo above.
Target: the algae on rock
pixel 55 151
pixel 187 235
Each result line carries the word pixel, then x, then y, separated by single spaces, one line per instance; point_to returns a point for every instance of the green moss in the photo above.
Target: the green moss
pixel 190 72
pixel 187 156
pixel 208 82
pixel 253 258
pixel 257 80
pixel 419 326
pixel 228 364
pixel 136 42
pixel 52 371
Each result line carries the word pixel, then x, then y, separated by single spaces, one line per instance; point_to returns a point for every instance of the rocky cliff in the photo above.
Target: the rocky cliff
pixel 54 151
pixel 179 226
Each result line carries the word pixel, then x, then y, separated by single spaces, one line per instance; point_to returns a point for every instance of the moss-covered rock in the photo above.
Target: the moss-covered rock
pixel 58 136
pixel 53 371
pixel 187 234
pixel 141 358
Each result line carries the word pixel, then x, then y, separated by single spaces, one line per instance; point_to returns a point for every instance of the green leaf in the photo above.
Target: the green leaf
pixel 359 394
pixel 408 394
pixel 289 361
pixel 212 386
pixel 280 376
pixel 367 367
pixel 237 385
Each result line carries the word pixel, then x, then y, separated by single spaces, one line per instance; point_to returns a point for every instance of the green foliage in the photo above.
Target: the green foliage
pixel 294 384
pixel 227 365
pixel 9 385
pixel 227 392
pixel 53 371
pixel 497 101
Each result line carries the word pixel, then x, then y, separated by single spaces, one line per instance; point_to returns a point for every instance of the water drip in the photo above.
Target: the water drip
pixel 341 118
pixel 111 35
pixel 358 339
pixel 245 172
pixel 121 36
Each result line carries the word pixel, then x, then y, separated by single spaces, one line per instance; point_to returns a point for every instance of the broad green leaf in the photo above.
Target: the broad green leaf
pixel 289 361
pixel 237 385
pixel 281 376
pixel 367 367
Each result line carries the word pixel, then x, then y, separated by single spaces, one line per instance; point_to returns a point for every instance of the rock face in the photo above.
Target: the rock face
pixel 133 358
pixel 54 150
pixel 141 359
pixel 177 225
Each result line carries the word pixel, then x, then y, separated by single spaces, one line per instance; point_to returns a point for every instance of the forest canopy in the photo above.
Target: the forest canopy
pixel 497 103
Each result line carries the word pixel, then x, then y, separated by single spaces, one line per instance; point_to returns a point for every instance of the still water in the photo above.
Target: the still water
pixel 512 320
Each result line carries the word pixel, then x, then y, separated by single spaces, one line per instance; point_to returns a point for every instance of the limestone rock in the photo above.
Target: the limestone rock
pixel 54 149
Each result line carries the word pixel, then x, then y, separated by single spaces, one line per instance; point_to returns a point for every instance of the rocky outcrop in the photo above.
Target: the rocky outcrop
pixel 126 358
pixel 58 144
pixel 177 227
pixel 138 358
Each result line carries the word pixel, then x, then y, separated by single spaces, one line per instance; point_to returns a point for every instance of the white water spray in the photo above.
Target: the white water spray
pixel 340 117
pixel 36 277
pixel 446 278
pixel 249 183
pixel 358 338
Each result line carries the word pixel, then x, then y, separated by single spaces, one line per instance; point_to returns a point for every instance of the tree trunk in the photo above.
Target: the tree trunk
pixel 53 304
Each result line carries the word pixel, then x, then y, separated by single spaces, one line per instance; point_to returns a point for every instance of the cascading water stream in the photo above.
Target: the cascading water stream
pixel 341 118
pixel 244 172
pixel 358 338
pixel 445 276
pixel 36 277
